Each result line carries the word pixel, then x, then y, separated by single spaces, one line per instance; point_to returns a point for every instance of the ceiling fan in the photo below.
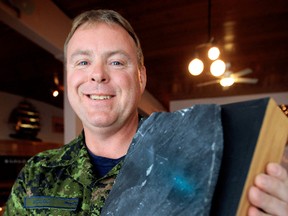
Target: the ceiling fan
pixel 229 78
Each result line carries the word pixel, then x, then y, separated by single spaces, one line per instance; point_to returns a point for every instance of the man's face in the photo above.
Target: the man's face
pixel 104 82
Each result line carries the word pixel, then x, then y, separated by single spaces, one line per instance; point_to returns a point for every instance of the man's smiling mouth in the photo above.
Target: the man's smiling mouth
pixel 100 97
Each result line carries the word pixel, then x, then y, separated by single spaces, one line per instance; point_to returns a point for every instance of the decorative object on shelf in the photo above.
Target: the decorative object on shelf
pixel 26 121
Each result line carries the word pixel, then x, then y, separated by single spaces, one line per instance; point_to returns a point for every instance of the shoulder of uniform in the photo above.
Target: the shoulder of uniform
pixel 62 156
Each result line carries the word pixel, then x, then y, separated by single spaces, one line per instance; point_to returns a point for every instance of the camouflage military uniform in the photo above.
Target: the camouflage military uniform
pixel 60 182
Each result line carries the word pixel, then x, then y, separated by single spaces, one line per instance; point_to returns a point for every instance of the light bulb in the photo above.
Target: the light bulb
pixel 213 53
pixel 55 93
pixel 196 67
pixel 227 81
pixel 217 68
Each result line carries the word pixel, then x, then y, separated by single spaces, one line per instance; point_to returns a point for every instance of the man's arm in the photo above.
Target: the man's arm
pixel 14 205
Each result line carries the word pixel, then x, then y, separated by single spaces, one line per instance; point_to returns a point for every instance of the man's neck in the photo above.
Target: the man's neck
pixel 111 142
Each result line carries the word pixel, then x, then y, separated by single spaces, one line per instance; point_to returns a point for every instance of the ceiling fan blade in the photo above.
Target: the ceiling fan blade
pixel 242 72
pixel 208 83
pixel 246 80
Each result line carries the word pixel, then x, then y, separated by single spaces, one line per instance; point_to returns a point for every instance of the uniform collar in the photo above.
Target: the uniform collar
pixel 75 157
pixel 65 155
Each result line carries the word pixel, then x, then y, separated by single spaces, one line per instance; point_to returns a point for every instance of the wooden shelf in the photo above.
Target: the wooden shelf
pixel 25 147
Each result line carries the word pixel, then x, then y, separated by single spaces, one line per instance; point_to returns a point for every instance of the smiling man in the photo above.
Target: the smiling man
pixel 105 82
pixel 105 78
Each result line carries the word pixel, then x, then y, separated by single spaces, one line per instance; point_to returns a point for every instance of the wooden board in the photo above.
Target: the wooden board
pixel 25 147
pixel 255 133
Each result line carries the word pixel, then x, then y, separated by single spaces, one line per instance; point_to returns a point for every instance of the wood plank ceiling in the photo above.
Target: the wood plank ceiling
pixel 251 33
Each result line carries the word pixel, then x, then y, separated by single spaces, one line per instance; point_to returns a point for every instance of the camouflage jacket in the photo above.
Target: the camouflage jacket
pixel 60 182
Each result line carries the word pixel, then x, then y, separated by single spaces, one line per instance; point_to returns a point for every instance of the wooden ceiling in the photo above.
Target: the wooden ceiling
pixel 251 33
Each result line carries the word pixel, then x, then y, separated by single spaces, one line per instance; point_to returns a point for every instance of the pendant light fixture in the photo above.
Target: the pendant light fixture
pixel 207 55
pixel 57 87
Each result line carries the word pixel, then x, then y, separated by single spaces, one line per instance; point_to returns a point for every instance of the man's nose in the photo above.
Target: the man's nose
pixel 99 74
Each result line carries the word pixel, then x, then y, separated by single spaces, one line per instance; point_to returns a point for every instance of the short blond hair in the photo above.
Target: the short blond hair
pixel 109 17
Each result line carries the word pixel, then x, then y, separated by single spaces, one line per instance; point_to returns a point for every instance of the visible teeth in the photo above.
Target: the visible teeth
pixel 99 97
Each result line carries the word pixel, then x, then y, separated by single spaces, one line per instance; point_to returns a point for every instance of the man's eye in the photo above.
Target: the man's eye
pixel 83 63
pixel 116 63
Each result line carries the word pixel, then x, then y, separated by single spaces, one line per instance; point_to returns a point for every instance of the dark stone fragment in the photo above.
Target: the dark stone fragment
pixel 172 165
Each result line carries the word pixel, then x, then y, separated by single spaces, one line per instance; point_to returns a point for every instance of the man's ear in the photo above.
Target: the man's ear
pixel 142 78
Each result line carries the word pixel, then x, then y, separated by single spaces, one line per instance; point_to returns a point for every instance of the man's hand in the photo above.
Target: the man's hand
pixel 269 195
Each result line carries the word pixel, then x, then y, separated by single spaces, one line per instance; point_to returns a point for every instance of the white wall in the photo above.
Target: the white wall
pixel 46 111
pixel 280 98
